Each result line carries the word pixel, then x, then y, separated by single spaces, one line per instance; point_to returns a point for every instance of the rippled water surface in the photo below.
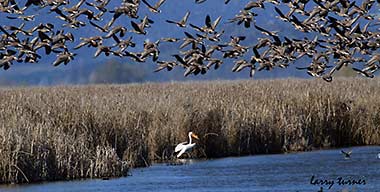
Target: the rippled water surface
pixel 282 173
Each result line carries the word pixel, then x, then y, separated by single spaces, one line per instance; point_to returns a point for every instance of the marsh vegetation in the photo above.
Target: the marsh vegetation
pixel 71 132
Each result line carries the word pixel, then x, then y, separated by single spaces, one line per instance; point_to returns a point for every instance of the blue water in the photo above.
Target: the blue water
pixel 264 173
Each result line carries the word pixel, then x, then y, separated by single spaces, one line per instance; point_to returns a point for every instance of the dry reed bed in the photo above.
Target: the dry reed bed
pixel 75 132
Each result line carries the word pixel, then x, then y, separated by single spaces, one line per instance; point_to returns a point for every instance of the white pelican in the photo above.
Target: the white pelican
pixel 183 147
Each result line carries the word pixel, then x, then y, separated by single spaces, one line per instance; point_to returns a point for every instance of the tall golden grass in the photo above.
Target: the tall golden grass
pixel 71 132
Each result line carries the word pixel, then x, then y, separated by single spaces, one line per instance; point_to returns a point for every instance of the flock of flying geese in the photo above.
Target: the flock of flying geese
pixel 345 33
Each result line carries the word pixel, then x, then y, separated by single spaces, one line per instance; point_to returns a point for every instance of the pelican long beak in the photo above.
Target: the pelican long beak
pixel 195 136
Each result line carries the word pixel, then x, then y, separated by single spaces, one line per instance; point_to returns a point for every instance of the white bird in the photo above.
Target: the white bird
pixel 378 155
pixel 183 147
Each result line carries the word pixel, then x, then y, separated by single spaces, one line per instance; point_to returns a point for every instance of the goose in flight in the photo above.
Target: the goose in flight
pixel 184 146
pixel 183 21
pixel 347 155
